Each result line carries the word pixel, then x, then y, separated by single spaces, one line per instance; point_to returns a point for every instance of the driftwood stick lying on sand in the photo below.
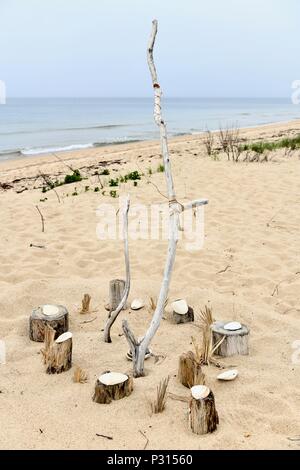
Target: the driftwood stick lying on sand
pixel 114 314
pixel 139 347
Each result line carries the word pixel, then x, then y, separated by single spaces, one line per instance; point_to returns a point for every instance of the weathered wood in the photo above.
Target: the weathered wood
pixel 184 318
pixel 57 353
pixel 190 371
pixel 116 292
pixel 139 348
pixel 112 386
pixel 85 304
pixel 119 290
pixel 203 416
pixel 55 316
pixel 234 343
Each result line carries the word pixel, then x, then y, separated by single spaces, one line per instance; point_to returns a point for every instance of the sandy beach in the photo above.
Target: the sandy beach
pixel 248 271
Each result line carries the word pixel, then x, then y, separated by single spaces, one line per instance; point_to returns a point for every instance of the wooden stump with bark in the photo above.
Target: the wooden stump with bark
pixel 116 292
pixel 203 416
pixel 190 371
pixel 57 353
pixel 185 317
pixel 112 386
pixel 234 342
pixel 55 316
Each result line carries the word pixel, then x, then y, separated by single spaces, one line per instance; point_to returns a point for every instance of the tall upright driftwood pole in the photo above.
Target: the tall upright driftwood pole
pixel 114 314
pixel 139 347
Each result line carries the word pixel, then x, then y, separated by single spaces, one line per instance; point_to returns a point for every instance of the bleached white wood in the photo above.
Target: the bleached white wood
pixel 114 314
pixel 139 347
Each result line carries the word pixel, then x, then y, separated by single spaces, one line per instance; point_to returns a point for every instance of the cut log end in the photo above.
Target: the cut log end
pixel 54 316
pixel 234 342
pixel 203 416
pixel 112 386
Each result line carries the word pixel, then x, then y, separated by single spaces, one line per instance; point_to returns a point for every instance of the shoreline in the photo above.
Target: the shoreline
pixel 92 147
pixel 110 151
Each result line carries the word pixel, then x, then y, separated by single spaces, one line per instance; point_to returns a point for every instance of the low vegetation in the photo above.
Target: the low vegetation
pixel 292 143
pixel 228 141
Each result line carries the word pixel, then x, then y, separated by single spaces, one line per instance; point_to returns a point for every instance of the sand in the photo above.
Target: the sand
pixel 251 234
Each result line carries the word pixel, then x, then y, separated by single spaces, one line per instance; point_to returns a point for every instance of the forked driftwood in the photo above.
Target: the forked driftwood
pixel 139 347
pixel 112 316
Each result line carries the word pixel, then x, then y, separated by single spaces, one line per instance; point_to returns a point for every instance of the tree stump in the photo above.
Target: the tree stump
pixel 112 386
pixel 234 343
pixel 116 292
pixel 203 416
pixel 184 318
pixel 189 370
pixel 58 353
pixel 55 316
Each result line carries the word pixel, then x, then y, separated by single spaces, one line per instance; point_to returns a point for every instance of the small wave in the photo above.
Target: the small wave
pixel 68 148
pixel 116 142
pixel 38 151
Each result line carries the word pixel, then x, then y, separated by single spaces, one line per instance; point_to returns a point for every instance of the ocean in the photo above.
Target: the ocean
pixel 30 126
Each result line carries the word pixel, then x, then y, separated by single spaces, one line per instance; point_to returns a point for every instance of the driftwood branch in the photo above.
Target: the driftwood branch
pixel 42 218
pixel 114 314
pixel 140 347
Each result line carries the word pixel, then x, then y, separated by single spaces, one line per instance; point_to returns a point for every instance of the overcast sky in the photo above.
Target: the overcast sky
pixel 212 48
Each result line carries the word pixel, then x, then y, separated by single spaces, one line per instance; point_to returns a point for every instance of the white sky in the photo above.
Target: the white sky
pixel 211 48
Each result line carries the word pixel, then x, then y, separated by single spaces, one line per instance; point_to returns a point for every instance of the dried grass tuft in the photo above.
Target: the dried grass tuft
pixel 205 321
pixel 158 405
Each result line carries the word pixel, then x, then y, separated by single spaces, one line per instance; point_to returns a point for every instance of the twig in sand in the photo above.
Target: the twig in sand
pixel 110 438
pixel 276 288
pixel 62 161
pixel 147 440
pixel 87 321
pixel 21 190
pixel 50 184
pixel 36 246
pixel 158 358
pixel 42 218
pixel 224 270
